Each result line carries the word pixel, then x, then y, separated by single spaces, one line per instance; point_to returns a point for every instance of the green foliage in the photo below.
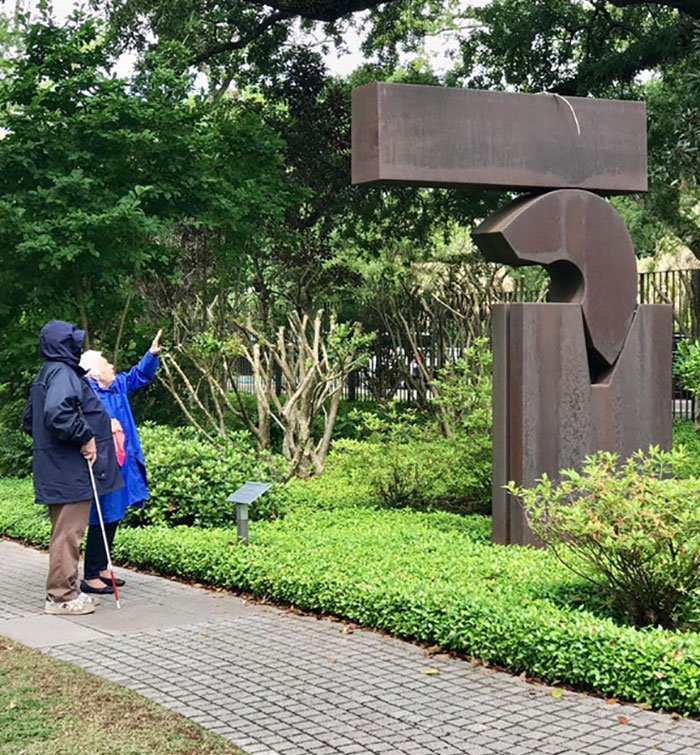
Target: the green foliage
pixel 629 527
pixel 687 365
pixel 452 474
pixel 349 423
pixel 20 517
pixel 570 47
pixel 432 577
pixel 404 460
pixel 104 177
pixel 425 472
pixel 687 439
pixel 391 422
pixel 463 390
pixel 15 444
pixel 189 479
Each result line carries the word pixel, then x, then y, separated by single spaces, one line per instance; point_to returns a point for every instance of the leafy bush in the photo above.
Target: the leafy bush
pixel 450 474
pixel 392 422
pixel 687 438
pixel 15 444
pixel 463 390
pixel 629 527
pixel 20 517
pixel 428 472
pixel 344 482
pixel 687 365
pixel 432 577
pixel 189 478
pixel 394 438
pixel 399 481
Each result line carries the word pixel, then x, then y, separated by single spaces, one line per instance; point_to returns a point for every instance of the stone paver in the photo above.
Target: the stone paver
pixel 276 683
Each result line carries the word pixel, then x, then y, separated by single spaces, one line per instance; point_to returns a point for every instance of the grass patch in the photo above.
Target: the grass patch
pixel 48 707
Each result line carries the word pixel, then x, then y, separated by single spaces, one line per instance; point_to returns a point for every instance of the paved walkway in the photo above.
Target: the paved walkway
pixel 276 683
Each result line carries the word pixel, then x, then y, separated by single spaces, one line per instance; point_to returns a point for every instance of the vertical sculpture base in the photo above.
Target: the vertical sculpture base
pixel 548 414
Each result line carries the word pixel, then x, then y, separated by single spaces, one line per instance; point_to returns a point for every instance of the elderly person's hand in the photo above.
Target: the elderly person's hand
pixel 89 450
pixel 156 348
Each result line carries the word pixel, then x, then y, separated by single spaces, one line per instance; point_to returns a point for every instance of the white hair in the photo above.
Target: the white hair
pixel 91 361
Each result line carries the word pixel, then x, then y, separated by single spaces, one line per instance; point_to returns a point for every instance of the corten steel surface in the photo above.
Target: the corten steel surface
pixel 577 237
pixel 437 136
pixel 589 370
pixel 546 413
pixel 571 378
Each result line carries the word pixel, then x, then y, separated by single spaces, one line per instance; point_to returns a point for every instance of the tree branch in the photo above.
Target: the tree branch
pixel 239 44
pixel 642 54
pixel 690 7
pixel 320 10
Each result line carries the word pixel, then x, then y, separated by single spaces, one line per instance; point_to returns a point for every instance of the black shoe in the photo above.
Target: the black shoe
pixel 108 581
pixel 85 587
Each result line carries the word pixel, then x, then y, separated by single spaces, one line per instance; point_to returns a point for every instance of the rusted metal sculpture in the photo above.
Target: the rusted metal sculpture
pixel 434 136
pixel 589 369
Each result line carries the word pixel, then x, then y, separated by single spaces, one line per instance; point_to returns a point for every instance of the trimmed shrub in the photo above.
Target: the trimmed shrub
pixel 432 577
pixel 628 527
pixel 454 474
pixel 189 478
pixel 20 517
pixel 425 473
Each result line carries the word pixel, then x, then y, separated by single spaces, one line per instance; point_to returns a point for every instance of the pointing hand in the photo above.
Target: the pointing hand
pixel 156 348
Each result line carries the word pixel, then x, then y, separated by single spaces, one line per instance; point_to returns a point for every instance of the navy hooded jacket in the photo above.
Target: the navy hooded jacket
pixel 61 415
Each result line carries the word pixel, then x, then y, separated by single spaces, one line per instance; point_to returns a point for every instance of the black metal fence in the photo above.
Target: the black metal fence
pixel 680 289
pixel 378 379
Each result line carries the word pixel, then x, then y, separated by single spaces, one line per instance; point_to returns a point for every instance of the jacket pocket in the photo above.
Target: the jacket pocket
pixel 101 467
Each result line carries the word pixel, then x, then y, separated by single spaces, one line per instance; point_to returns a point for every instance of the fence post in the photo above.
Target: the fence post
pixel 695 303
pixel 352 385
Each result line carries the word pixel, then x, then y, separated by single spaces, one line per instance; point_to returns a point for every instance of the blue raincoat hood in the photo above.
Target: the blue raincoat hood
pixel 59 341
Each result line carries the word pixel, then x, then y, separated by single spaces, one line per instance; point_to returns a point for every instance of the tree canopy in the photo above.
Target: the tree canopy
pixel 154 197
pixel 102 177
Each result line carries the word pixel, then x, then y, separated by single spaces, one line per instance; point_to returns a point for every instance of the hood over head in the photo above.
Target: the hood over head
pixel 59 341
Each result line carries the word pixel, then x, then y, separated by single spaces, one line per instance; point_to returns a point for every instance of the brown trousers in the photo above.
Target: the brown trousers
pixel 68 522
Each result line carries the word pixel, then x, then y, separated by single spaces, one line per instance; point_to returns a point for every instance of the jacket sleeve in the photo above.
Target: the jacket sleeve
pixel 28 416
pixel 142 373
pixel 63 415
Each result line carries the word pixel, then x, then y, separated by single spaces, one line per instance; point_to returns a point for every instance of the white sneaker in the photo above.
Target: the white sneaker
pixel 86 598
pixel 79 606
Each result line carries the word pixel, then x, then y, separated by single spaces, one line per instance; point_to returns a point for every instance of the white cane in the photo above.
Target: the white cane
pixel 104 534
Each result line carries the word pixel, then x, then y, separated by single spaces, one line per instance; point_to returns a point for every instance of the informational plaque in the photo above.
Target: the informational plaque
pixel 249 492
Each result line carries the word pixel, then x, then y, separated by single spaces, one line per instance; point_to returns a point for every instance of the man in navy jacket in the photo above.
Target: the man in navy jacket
pixel 69 427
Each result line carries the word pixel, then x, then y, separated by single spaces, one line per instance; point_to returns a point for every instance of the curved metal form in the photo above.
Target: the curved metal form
pixel 583 243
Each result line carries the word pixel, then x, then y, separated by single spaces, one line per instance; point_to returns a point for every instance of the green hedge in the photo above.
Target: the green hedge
pixel 425 473
pixel 432 577
pixel 189 478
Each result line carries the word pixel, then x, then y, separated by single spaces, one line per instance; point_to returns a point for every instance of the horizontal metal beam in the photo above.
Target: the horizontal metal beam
pixel 439 136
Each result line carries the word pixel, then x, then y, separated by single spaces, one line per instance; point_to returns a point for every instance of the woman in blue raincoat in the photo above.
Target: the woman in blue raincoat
pixel 113 390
